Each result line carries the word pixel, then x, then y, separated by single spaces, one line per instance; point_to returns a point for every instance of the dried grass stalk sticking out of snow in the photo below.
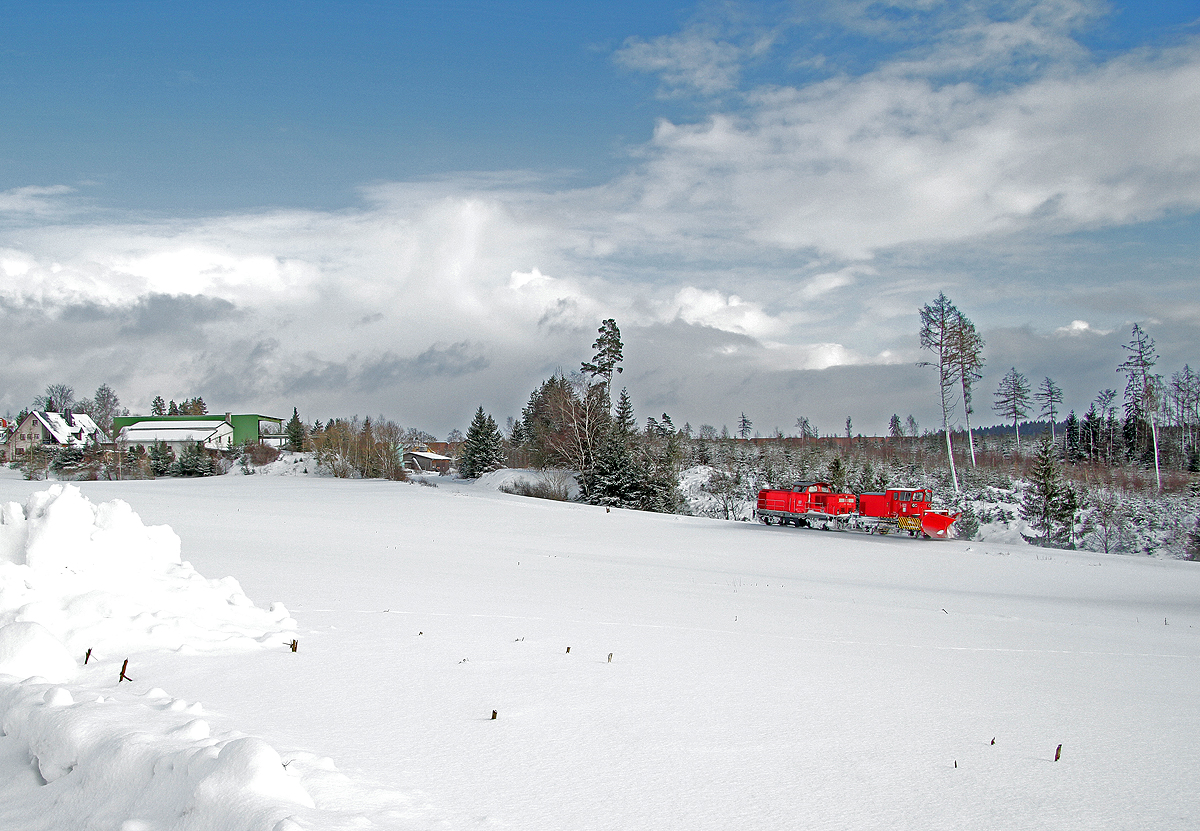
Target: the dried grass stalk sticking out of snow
pixel 98 578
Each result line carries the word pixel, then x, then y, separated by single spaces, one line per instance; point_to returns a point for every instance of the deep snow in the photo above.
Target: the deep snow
pixel 760 677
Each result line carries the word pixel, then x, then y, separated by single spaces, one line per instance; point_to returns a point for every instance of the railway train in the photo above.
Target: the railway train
pixel 818 505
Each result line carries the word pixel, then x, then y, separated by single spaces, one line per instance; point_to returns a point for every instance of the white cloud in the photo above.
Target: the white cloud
pixel 1078 328
pixel 729 313
pixel 33 200
pixel 747 232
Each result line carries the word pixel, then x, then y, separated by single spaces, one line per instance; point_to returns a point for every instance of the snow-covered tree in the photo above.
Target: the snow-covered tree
pixel 1049 504
pixel 745 426
pixel 158 407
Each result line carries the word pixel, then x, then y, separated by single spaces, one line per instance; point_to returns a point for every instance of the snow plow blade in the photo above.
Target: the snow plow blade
pixel 937 525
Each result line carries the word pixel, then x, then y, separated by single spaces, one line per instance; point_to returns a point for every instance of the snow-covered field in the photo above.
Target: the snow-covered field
pixel 760 677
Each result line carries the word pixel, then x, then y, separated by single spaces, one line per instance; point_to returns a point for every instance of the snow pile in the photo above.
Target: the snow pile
pixel 95 577
pixel 137 762
pixel 289 464
pixel 78 747
pixel 515 478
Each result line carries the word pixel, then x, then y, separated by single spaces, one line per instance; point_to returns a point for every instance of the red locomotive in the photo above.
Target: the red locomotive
pixel 817 505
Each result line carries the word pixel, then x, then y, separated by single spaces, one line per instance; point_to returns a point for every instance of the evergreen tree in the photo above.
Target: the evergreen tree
pixel 295 432
pixel 1074 429
pixel 615 479
pixel 192 461
pixel 1049 395
pixel 173 408
pixel 68 460
pixel 1049 504
pixel 158 407
pixel 1192 547
pixel 623 421
pixel 161 458
pixel 482 450
pixel 744 426
pixel 1012 400
pixel 608 355
pixel 1142 395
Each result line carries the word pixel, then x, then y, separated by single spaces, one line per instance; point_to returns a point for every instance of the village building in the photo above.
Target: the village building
pixel 43 429
pixel 215 432
pixel 426 461
pixel 178 434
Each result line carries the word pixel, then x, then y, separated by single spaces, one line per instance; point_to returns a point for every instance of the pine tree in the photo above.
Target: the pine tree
pixel 158 407
pixel 609 353
pixel 623 421
pixel 161 458
pixel 1073 429
pixel 1012 400
pixel 744 426
pixel 482 450
pixel 1049 504
pixel 295 432
pixel 173 408
pixel 1142 394
pixel 192 461
pixel 1192 547
pixel 1049 395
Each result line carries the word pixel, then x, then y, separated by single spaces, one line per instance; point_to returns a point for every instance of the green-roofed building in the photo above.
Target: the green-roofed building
pixel 246 426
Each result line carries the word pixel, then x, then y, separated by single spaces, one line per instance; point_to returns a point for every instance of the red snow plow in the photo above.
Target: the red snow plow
pixel 817 505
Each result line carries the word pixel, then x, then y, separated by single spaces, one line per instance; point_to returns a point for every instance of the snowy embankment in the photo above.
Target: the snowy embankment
pixel 82 588
pixel 760 677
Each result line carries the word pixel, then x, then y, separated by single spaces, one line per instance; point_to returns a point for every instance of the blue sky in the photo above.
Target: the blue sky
pixel 418 208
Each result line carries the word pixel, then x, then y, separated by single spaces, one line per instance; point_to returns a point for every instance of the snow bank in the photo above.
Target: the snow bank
pixel 95 577
pixel 499 479
pixel 78 748
pixel 135 764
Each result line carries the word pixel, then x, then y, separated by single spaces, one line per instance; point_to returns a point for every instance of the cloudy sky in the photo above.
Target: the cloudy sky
pixel 417 208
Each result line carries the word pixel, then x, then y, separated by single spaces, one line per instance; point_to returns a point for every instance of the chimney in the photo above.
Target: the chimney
pixel 229 418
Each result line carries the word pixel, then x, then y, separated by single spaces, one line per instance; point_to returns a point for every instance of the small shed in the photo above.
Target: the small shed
pixel 424 460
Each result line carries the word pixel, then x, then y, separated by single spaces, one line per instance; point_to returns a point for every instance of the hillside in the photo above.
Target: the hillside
pixel 760 677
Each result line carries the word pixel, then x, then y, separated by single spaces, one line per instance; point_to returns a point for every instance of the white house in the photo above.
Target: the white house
pixel 39 428
pixel 213 435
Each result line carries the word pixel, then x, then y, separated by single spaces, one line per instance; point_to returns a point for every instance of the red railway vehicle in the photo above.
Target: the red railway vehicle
pixel 817 505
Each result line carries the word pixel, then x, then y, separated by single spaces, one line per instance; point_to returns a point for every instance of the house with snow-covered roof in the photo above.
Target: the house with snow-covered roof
pixel 44 429
pixel 179 433
pixel 246 427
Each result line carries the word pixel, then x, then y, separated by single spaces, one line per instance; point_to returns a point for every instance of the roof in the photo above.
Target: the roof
pixel 79 431
pixel 154 430
pixel 433 457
